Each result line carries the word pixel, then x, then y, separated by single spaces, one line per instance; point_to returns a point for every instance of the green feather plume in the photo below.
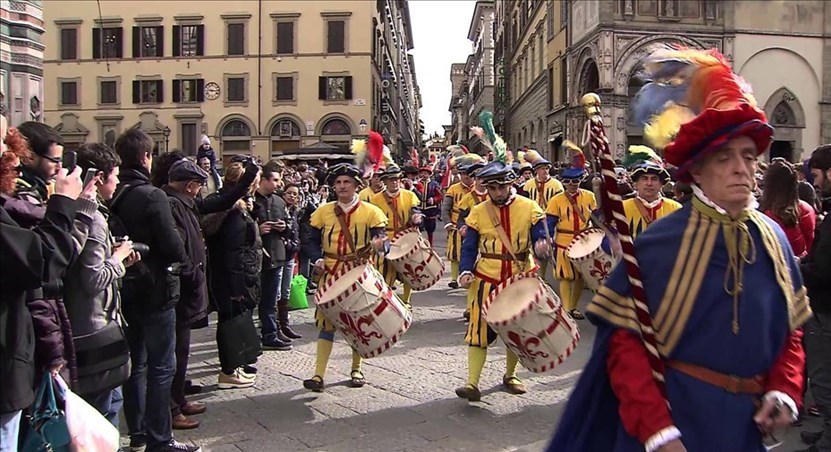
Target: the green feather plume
pixel 491 140
pixel 639 154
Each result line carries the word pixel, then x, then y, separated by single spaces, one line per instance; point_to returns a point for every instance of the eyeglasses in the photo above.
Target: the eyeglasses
pixel 55 160
pixel 571 181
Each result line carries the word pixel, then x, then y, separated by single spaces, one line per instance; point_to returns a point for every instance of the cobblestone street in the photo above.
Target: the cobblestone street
pixel 408 403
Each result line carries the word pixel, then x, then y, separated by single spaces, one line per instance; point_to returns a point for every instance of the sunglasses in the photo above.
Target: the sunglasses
pixel 571 181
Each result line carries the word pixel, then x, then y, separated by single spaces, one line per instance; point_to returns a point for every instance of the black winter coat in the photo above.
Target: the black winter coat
pixel 28 258
pixel 271 208
pixel 304 220
pixel 235 254
pixel 816 267
pixel 144 212
pixel 193 297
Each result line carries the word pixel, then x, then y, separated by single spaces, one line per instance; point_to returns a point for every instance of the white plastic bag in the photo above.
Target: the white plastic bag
pixel 90 431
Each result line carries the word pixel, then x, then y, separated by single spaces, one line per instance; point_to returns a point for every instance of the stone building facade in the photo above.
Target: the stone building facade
pixel 21 60
pixel 480 74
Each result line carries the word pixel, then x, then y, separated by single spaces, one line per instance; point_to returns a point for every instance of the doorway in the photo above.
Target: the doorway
pixel 783 149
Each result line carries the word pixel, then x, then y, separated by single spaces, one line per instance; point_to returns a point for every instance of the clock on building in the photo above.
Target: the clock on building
pixel 212 90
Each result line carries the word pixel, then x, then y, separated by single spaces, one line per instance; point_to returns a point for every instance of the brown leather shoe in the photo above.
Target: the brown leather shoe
pixel 193 408
pixel 182 422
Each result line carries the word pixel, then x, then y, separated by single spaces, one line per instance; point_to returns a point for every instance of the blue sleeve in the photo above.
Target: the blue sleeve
pixel 470 250
pixel 462 217
pixel 316 244
pixel 552 222
pixel 538 231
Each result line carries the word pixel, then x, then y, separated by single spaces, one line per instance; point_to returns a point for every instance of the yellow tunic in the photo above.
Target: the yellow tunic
pixel 635 218
pixel 359 220
pixel 573 216
pixel 516 218
pixel 366 194
pixel 456 191
pixel 469 200
pixel 403 203
pixel 542 193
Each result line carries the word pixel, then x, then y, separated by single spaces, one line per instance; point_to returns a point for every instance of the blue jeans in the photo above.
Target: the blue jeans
pixel 108 403
pixel 276 285
pixel 152 340
pixel 9 430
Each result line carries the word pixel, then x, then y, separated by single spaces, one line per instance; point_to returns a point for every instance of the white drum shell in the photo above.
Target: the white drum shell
pixel 528 316
pixel 414 259
pixel 364 309
pixel 588 257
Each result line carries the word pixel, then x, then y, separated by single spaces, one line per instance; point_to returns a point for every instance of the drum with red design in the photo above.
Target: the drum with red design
pixel 528 316
pixel 364 309
pixel 589 258
pixel 415 260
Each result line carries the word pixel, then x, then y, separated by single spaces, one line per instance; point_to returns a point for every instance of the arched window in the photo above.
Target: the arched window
pixel 236 139
pixel 285 135
pixel 336 127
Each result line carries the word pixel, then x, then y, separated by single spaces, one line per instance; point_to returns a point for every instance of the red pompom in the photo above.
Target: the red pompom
pixel 375 149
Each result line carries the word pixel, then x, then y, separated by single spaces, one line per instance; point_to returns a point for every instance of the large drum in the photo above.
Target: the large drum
pixel 588 257
pixel 417 263
pixel 364 309
pixel 528 316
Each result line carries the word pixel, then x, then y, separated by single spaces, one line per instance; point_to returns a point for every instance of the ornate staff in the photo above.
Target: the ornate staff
pixel 612 204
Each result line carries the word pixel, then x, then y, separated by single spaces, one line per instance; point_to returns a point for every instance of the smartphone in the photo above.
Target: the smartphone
pixel 70 159
pixel 90 175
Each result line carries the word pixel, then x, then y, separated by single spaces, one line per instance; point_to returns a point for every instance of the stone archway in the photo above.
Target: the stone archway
pixel 589 79
pixel 786 115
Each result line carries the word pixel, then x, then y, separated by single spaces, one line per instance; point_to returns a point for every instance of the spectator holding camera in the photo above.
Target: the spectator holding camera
pixel 150 291
pixel 91 294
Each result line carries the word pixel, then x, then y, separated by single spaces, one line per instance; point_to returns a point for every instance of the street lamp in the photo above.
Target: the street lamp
pixel 362 125
pixel 166 138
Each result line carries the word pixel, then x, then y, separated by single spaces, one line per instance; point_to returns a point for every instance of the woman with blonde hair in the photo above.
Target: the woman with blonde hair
pixel 235 260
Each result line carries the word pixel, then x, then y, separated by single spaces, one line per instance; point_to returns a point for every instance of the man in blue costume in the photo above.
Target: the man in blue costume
pixel 722 286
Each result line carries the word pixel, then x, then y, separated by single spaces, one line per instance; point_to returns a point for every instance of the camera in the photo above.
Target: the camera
pixel 141 248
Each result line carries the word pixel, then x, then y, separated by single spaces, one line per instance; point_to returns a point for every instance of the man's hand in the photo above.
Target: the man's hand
pixel 542 248
pixel 91 189
pixel 378 243
pixel 417 219
pixel 673 446
pixel 319 266
pixel 134 257
pixel 265 228
pixel 465 280
pixel 69 185
pixel 280 226
pixel 449 227
pixel 773 415
pixel 463 231
pixel 123 251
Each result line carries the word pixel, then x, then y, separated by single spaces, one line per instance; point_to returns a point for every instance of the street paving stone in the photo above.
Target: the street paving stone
pixel 408 403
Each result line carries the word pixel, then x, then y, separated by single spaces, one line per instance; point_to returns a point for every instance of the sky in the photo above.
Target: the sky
pixel 440 38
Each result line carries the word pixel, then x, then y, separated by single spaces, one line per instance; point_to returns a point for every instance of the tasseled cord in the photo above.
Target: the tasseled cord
pixel 741 251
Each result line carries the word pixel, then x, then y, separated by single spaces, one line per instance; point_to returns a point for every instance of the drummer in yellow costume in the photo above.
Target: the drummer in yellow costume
pixel 401 209
pixel 648 176
pixel 476 196
pixel 450 210
pixel 568 214
pixel 366 225
pixel 487 261
pixel 376 185
pixel 542 187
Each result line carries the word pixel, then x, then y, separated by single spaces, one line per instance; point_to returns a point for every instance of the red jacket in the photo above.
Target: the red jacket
pixel 801 236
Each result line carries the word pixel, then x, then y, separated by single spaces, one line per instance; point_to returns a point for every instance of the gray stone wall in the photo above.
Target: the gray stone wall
pixel 529 109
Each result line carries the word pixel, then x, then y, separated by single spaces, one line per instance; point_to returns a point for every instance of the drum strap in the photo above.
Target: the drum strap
pixel 503 236
pixel 643 211
pixel 577 209
pixel 344 228
pixel 395 213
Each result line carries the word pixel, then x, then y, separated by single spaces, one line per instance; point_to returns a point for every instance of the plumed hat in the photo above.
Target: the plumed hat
pixel 461 163
pixel 343 169
pixel 535 159
pixel 392 172
pixel 496 173
pixel 640 160
pixel 370 154
pixel 693 104
pixel 577 169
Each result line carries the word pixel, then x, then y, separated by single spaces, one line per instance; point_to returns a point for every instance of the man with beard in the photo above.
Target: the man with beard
pixel 47 156
pixel 816 268
pixel 520 221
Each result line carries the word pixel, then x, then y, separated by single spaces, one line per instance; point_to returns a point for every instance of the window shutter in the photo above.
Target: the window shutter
pixel 160 41
pixel 119 42
pixel 200 40
pixel 347 87
pixel 177 40
pixel 177 90
pixel 200 90
pixel 321 88
pixel 159 91
pixel 285 38
pixel 335 36
pixel 136 42
pixel 96 43
pixel 136 92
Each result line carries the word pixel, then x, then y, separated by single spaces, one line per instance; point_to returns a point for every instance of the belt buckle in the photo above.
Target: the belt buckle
pixel 733 387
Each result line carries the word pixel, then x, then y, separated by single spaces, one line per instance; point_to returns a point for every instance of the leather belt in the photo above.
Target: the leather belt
pixel 564 231
pixel 504 257
pixel 730 383
pixel 351 257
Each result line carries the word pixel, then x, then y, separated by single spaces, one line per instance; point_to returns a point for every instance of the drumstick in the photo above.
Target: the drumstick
pixel 613 209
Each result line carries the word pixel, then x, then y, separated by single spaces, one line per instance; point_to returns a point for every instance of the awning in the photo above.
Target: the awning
pixel 312 156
